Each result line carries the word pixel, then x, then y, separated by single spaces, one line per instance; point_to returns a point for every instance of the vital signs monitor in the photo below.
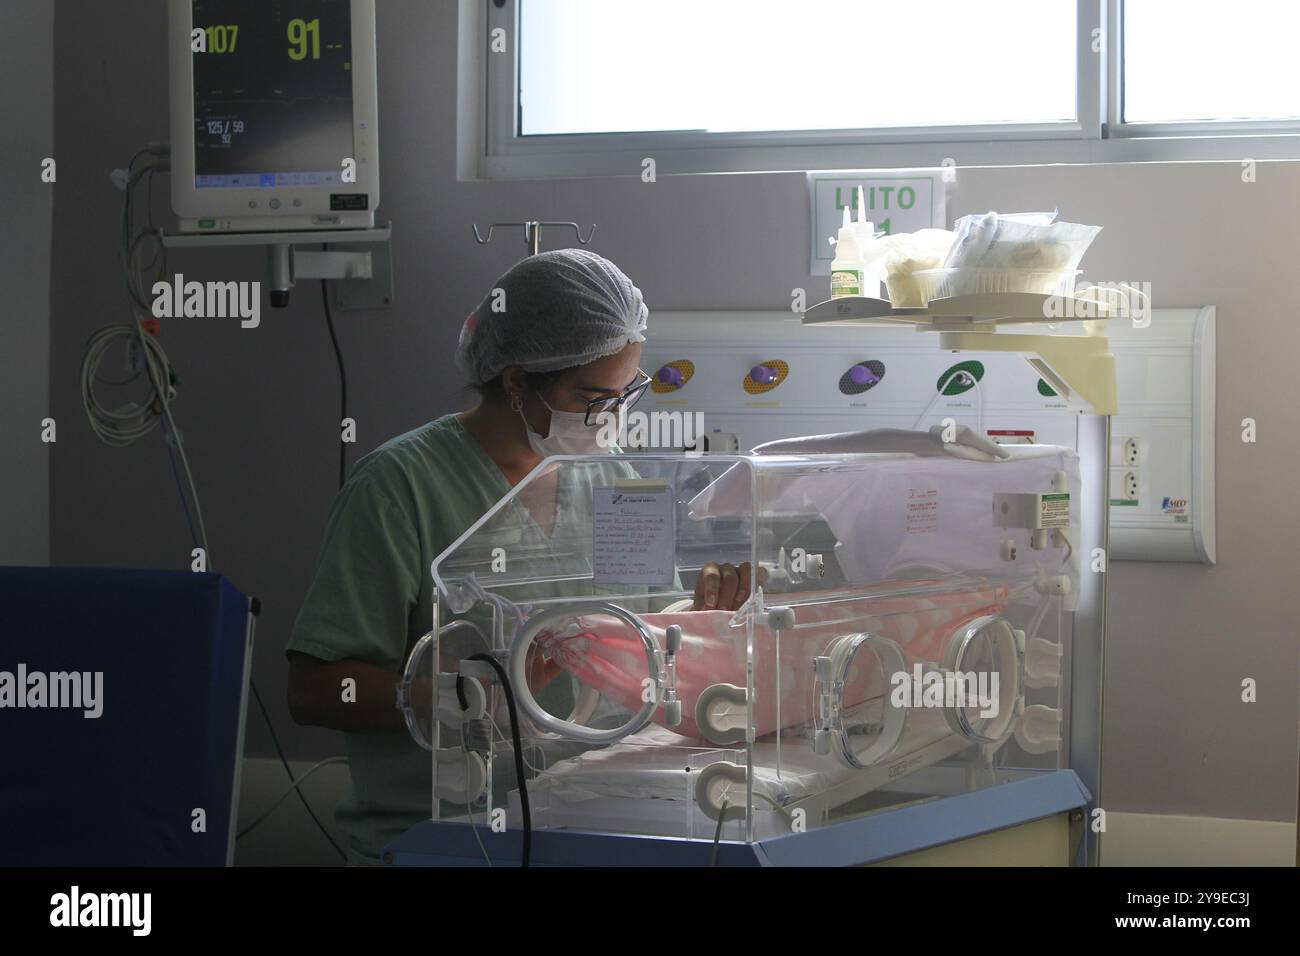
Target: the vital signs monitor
pixel 273 114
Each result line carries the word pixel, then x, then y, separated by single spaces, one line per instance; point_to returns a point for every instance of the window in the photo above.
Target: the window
pixel 1199 61
pixel 591 87
pixel 596 66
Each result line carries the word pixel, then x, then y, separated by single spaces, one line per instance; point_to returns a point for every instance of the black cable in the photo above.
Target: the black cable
pixel 148 198
pixel 525 856
pixel 180 489
pixel 717 834
pixel 460 693
pixel 289 770
pixel 343 375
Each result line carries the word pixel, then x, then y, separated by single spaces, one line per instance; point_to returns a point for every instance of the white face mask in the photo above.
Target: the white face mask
pixel 571 435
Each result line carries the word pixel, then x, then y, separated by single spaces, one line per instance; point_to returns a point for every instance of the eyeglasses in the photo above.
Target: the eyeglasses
pixel 610 404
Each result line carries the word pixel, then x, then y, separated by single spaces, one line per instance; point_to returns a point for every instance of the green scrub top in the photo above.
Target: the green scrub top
pixel 371 599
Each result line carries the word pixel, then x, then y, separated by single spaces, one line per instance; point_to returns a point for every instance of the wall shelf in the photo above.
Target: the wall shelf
pixel 358 262
pixel 1080 365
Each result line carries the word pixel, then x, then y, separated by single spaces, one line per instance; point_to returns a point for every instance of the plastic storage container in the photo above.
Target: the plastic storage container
pixel 902 640
pixel 945 283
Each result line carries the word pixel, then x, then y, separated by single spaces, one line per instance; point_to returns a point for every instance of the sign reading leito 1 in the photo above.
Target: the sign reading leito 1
pixel 896 201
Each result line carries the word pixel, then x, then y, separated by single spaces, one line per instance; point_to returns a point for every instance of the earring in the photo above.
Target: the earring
pixel 516 404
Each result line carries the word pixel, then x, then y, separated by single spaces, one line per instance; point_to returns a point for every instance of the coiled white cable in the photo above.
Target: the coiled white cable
pixel 131 421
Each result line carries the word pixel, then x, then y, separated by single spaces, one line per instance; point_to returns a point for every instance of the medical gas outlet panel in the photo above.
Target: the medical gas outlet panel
pixel 758 377
pixel 748 378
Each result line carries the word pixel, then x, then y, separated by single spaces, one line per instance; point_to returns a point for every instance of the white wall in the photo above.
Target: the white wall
pixel 26 137
pixel 260 406
pixel 1181 638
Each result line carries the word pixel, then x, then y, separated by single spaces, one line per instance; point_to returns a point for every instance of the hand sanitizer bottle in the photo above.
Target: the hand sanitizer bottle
pixel 846 269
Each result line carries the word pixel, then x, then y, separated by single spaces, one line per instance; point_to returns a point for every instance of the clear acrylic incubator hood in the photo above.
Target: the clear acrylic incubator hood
pixel 902 633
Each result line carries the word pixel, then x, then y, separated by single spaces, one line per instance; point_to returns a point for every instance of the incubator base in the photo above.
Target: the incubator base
pixel 1031 817
pixel 646 785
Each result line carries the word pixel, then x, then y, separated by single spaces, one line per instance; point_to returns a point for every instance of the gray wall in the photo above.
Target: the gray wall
pixel 259 407
pixel 26 209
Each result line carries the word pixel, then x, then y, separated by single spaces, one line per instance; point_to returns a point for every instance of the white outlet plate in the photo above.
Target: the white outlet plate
pixel 1163 436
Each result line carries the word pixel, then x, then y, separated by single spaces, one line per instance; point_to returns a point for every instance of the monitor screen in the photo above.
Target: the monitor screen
pixel 273 94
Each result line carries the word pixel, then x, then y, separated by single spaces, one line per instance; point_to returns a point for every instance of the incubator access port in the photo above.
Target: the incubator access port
pixel 861 724
pixel 720 790
pixel 1038 731
pixel 1043 663
pixel 721 713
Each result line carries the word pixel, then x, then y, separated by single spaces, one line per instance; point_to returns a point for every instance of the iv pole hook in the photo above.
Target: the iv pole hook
pixel 533 233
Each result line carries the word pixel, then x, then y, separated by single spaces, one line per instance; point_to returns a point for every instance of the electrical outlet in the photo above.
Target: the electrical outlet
pixel 1131 485
pixel 1131 452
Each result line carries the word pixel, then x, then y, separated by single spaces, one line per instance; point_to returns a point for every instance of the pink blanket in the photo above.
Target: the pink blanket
pixel 603 652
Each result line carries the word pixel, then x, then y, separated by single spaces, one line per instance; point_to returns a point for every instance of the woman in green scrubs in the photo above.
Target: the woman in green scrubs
pixel 556 342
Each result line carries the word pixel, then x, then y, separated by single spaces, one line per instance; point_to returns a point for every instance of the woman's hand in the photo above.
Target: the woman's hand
pixel 724 587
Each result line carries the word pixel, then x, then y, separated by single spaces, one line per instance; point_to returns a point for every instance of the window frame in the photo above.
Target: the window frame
pixel 1098 134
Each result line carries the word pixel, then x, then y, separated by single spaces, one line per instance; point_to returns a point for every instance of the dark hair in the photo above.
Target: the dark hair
pixel 495 387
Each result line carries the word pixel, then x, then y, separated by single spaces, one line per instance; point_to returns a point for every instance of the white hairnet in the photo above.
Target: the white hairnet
pixel 551 311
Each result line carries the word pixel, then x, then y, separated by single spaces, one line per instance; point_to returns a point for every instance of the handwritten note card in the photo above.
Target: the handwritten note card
pixel 634 534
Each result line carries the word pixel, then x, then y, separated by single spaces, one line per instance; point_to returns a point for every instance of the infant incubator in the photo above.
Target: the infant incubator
pixel 903 635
